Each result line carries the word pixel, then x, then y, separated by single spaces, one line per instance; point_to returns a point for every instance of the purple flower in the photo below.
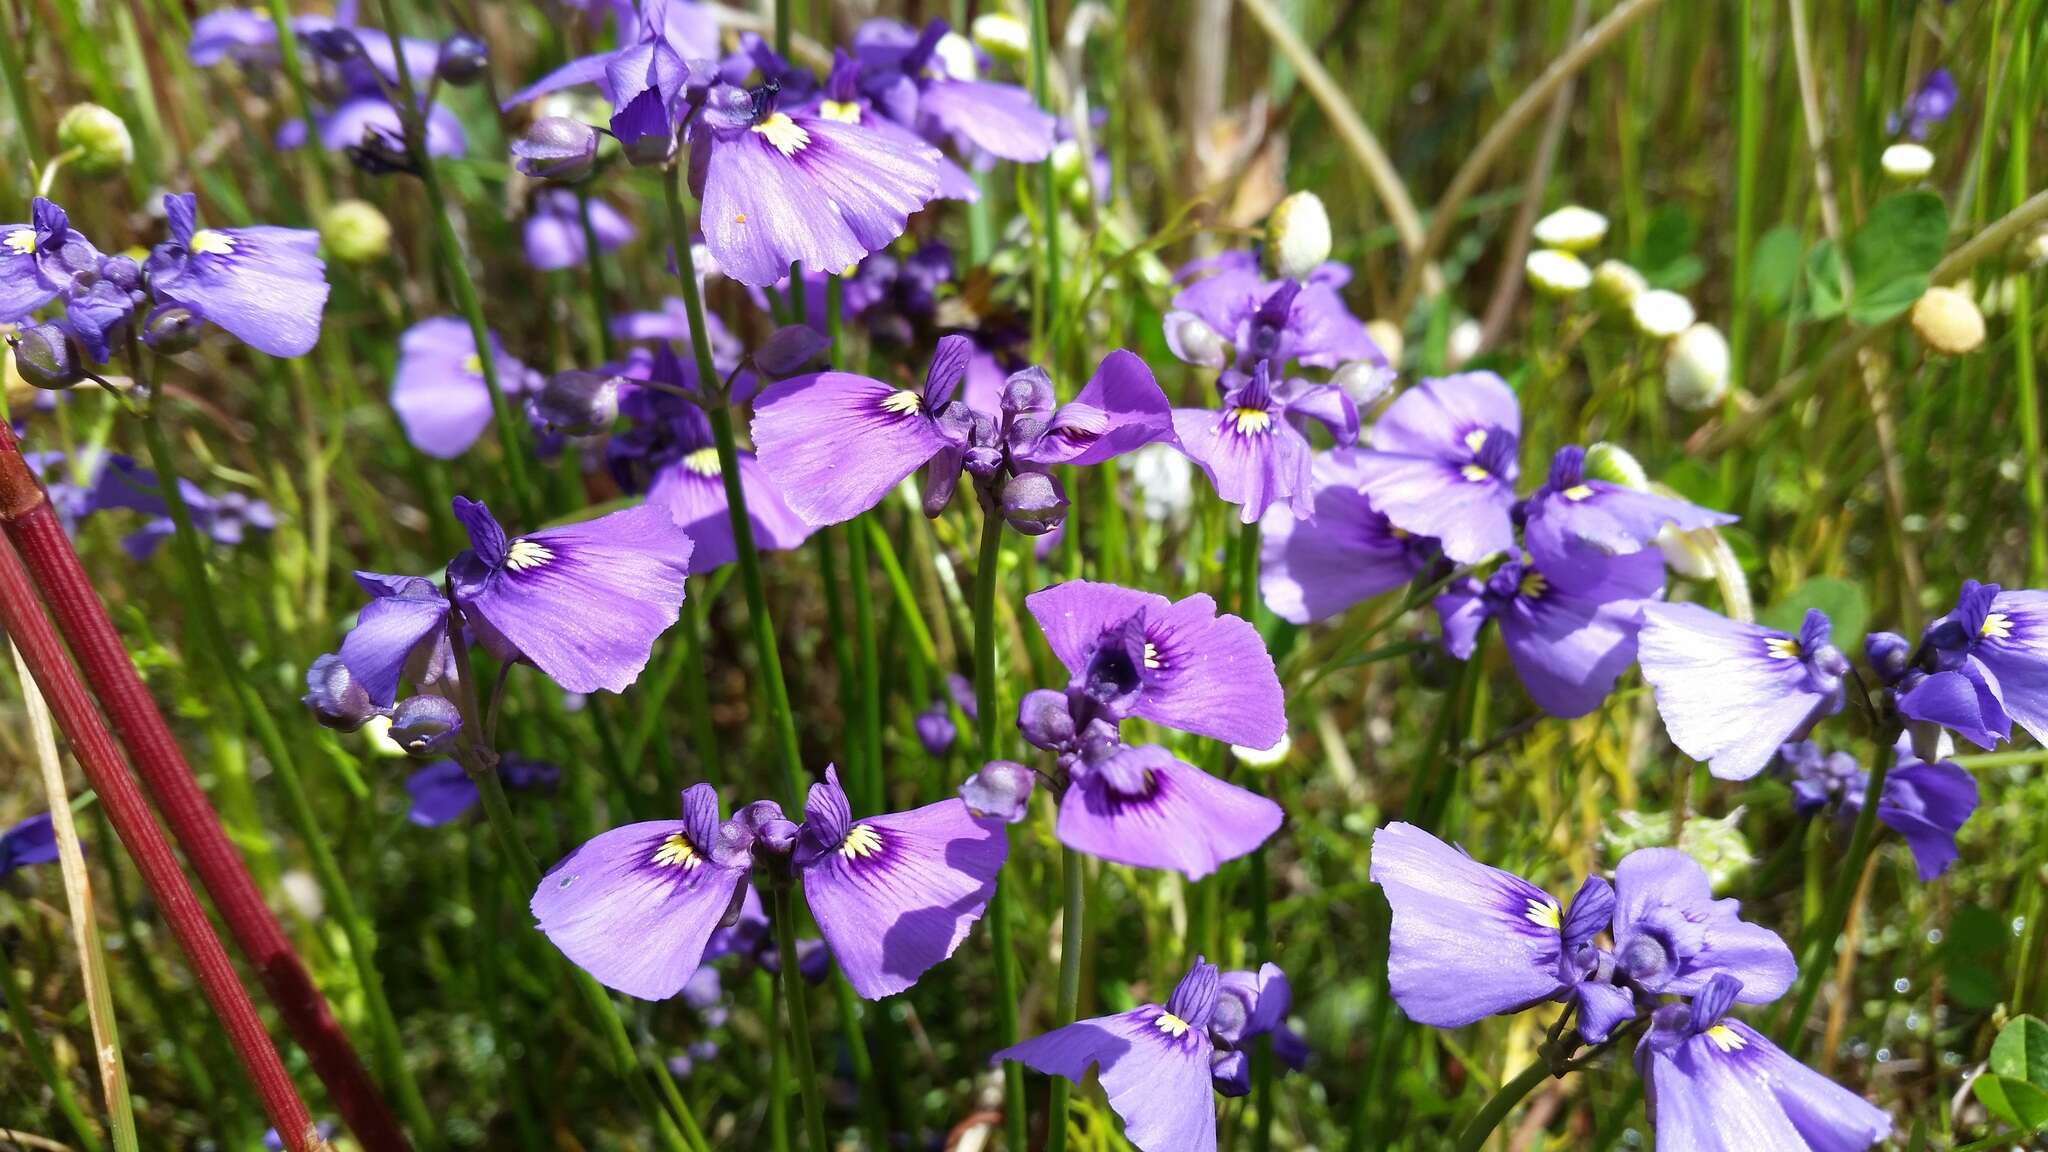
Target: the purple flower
pixel 1176 663
pixel 1001 789
pixel 1731 693
pixel 1443 464
pixel 1928 804
pixel 1284 321
pixel 1154 1060
pixel 1468 940
pixel 837 443
pixel 907 76
pixel 671 439
pixel 40 260
pixel 672 323
pixel 265 286
pixel 368 120
pixel 1143 807
pixel 1718 1085
pixel 1574 525
pixel 33 841
pixel 895 894
pixel 439 391
pixel 442 791
pixel 554 229
pixel 1988 667
pixel 841 99
pixel 1568 644
pixel 1671 936
pixel 1345 554
pixel 635 906
pixel 781 188
pixel 1252 449
pixel 1254 1004
pixel 1931 104
pixel 582 602
pixel 401 633
pixel 676 30
pixel 935 730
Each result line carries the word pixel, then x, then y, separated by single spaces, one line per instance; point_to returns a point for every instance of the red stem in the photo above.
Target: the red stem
pixel 32 528
pixel 23 618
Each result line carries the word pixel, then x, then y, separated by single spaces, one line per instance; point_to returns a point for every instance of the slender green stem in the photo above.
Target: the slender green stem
pixel 773 687
pixel 769 997
pixel 2028 398
pixel 1068 1007
pixel 456 264
pixel 1823 933
pixel 870 665
pixel 243 696
pixel 799 1015
pixel 12 65
pixel 1049 209
pixel 1503 1102
pixel 987 575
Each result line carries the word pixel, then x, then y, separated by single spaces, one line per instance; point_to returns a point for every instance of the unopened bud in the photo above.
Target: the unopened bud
pixel 1907 163
pixel 463 61
pixel 578 402
pixel 1616 286
pixel 1298 235
pixel 355 232
pixel 556 148
pixel 1463 342
pixel 43 357
pixel 935 730
pixel 1661 314
pixel 100 138
pixel 1001 789
pixel 337 698
pixel 955 57
pixel 1033 503
pixel 1571 228
pixel 1046 720
pixel 1948 322
pixel 171 329
pixel 1555 272
pixel 1002 36
pixel 1191 339
pixel 1612 463
pixel 1696 368
pixel 1363 381
pixel 425 725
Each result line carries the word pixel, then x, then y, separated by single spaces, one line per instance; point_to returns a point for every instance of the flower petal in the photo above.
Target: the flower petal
pixel 835 443
pixel 1186 820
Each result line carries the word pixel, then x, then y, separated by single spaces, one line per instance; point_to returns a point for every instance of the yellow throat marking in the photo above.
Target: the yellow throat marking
pixel 1783 647
pixel 703 461
pixel 1996 626
pixel 787 135
pixel 1544 914
pixel 844 111
pixel 1578 492
pixel 1251 421
pixel 21 241
pixel 1172 1025
pixel 675 852
pixel 525 554
pixel 902 402
pixel 208 242
pixel 861 842
pixel 1726 1039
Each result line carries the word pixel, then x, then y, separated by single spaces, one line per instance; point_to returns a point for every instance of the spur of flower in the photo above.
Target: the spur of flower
pixel 1162 1064
pixel 893 894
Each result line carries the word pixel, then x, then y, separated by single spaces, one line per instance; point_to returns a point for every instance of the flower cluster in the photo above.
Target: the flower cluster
pixel 1652 953
pixel 264 286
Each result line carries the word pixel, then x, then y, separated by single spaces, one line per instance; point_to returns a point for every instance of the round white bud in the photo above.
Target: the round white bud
pixel 1002 36
pixel 1661 313
pixel 1298 235
pixel 1907 163
pixel 1555 272
pixel 1696 368
pixel 1948 321
pixel 1571 228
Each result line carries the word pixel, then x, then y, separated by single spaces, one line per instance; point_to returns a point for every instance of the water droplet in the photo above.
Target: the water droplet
pixel 1884 1055
pixel 2019 925
pixel 1934 936
pixel 1902 985
pixel 566 881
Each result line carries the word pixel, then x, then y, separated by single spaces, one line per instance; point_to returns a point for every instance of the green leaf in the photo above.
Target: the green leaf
pixel 2021 1052
pixel 1842 600
pixel 2016 1102
pixel 1824 282
pixel 1667 259
pixel 1774 268
pixel 1894 253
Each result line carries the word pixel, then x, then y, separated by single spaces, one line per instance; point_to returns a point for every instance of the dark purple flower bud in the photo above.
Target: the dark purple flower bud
pixel 44 357
pixel 337 45
pixel 557 148
pixel 763 819
pixel 935 730
pixel 1045 720
pixel 171 329
pixel 337 698
pixel 1033 503
pixel 425 725
pixel 1001 789
pixel 1231 1073
pixel 1888 654
pixel 463 60
pixel 578 402
pixel 123 272
pixel 788 349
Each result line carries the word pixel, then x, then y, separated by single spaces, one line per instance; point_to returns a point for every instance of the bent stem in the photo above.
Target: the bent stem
pixel 773 686
pixel 1503 1102
pixel 799 1015
pixel 986 577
